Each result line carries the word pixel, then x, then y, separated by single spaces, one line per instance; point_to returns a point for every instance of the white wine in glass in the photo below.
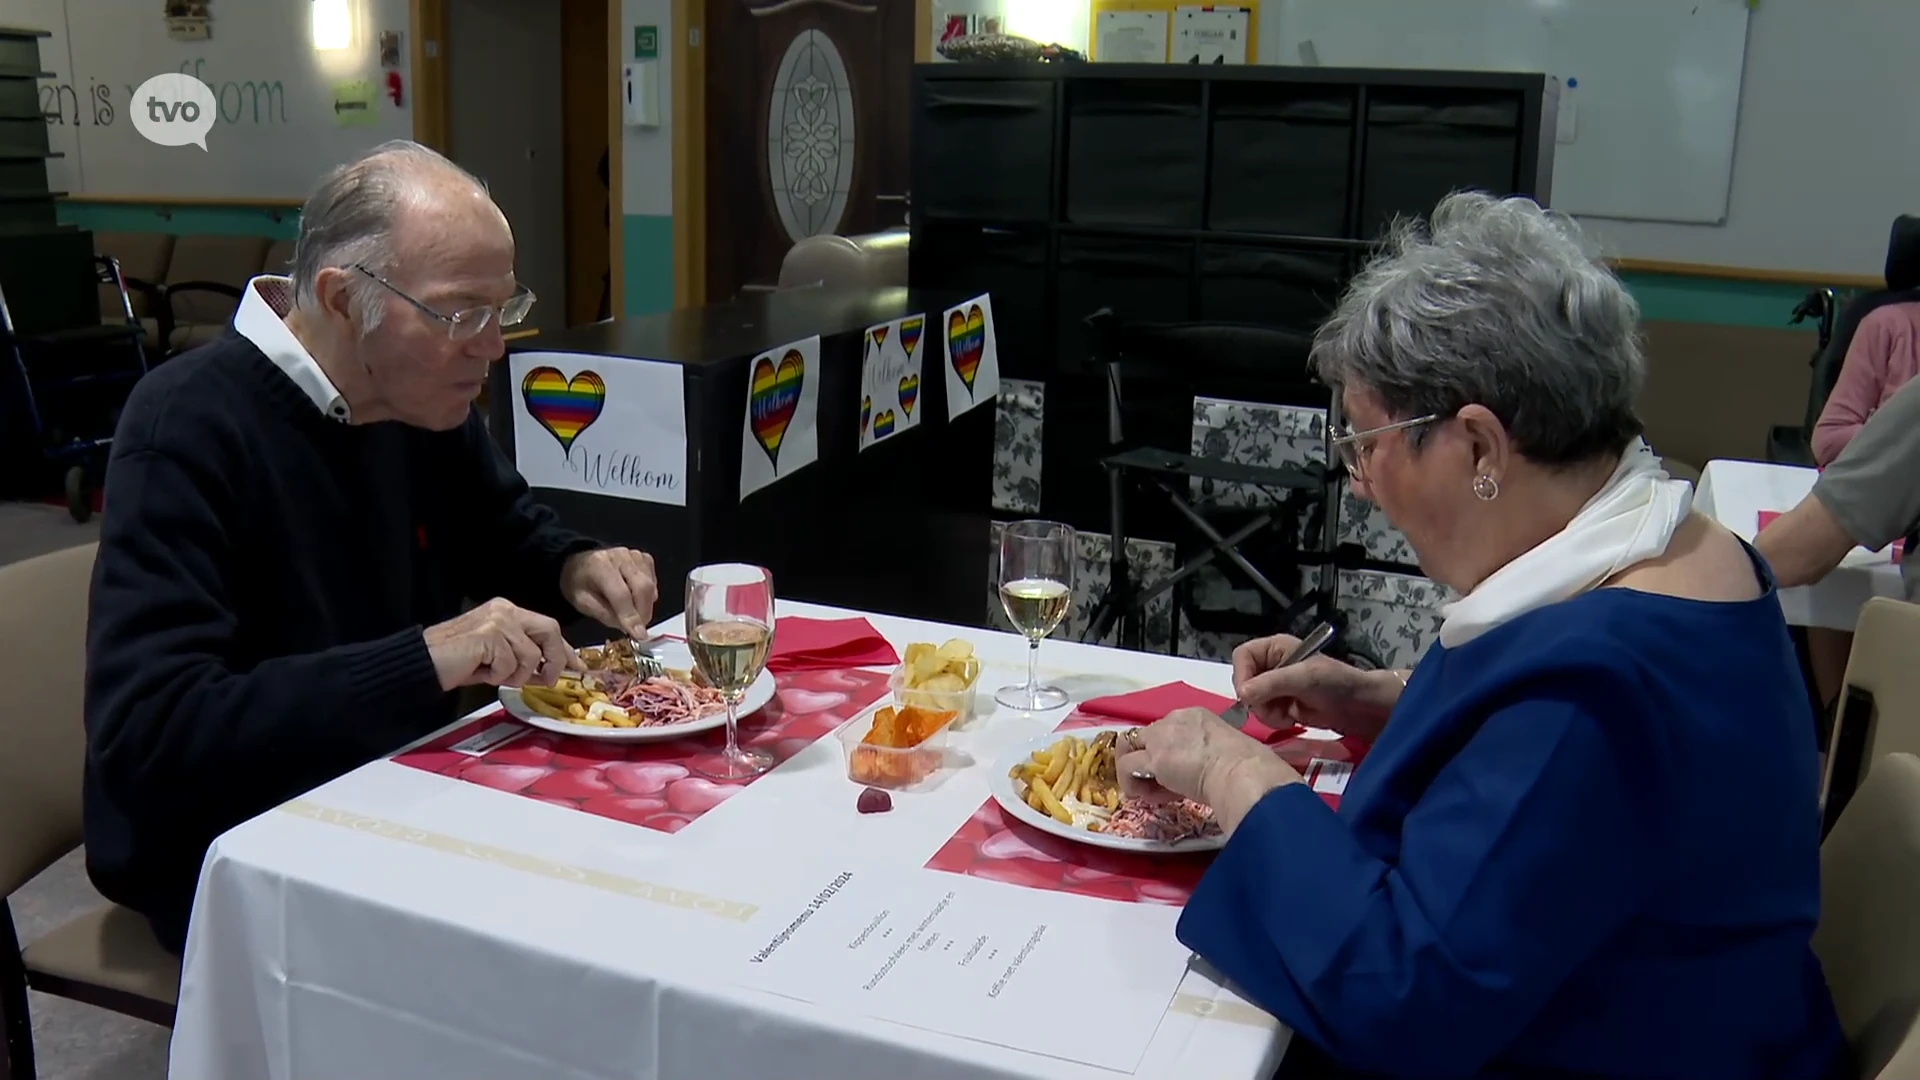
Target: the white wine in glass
pixel 729 632
pixel 1036 589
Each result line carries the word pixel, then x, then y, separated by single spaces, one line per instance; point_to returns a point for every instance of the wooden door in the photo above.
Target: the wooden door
pixel 807 128
pixel 586 101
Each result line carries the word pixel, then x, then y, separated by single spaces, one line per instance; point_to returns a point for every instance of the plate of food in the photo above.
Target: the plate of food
pixel 1066 784
pixel 611 701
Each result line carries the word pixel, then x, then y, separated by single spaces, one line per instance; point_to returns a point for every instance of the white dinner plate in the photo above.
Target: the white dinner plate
pixel 1008 796
pixel 674 655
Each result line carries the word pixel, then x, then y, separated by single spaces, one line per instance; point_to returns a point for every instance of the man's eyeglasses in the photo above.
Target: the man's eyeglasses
pixel 1353 445
pixel 462 325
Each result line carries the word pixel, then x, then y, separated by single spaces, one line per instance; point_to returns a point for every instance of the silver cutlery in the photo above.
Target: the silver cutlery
pixel 1237 713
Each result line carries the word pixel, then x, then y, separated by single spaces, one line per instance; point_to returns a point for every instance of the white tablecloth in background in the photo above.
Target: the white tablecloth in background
pixel 395 923
pixel 1735 492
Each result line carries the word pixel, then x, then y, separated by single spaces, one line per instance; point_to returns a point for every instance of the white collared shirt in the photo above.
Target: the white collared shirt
pixel 261 319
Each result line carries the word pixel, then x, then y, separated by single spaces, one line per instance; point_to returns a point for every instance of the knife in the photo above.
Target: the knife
pixel 1237 713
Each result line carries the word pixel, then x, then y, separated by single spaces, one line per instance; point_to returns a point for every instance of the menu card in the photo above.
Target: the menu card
pixel 1065 976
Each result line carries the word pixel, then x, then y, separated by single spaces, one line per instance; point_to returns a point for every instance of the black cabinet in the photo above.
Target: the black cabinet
pixel 1174 193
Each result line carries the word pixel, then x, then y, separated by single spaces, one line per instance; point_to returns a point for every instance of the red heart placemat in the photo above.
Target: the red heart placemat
pixel 649 784
pixel 994 845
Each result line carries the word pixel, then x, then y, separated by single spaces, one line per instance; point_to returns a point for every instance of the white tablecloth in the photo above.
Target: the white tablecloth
pixel 1735 492
pixel 396 923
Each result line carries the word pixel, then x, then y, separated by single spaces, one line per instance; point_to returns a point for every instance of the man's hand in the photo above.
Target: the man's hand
pixel 615 587
pixel 498 644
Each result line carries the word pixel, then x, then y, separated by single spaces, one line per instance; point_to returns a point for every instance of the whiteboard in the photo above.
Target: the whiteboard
pixel 1650 89
pixel 278 130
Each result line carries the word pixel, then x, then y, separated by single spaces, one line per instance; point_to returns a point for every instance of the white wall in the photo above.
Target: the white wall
pixel 646 154
pixel 1828 147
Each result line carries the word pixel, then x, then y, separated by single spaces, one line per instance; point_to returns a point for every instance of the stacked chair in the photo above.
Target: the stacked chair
pixel 1284 550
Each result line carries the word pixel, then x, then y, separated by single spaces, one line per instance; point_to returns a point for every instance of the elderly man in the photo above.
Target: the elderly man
pixel 301 512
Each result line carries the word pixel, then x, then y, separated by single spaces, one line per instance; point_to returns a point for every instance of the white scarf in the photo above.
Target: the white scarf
pixel 1629 520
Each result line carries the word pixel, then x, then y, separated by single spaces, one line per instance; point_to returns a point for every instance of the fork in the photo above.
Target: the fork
pixel 645 664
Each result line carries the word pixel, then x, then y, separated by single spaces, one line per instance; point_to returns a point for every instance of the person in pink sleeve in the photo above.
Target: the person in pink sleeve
pixel 1885 353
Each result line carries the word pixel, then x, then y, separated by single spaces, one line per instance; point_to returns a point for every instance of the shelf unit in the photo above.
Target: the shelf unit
pixel 27 202
pixel 1178 193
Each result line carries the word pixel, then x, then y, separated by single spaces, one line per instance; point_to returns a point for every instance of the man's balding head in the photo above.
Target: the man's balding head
pixel 401 274
pixel 398 196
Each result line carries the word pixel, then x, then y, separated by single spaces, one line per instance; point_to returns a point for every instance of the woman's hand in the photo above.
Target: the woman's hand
pixel 1318 692
pixel 1196 755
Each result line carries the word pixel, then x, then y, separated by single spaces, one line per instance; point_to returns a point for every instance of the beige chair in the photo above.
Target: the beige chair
pixel 1868 939
pixel 877 260
pixel 1879 707
pixel 107 957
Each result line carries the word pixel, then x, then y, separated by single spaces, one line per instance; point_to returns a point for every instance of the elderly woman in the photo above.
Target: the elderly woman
pixel 1587 843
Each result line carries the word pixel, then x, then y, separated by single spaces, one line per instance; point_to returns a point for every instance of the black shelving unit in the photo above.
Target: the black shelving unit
pixel 1178 193
pixel 27 201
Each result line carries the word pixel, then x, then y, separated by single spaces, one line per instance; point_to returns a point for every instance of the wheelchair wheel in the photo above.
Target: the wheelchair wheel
pixel 79 499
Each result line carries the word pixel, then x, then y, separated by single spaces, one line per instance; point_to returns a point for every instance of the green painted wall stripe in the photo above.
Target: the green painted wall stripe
pixel 646 244
pixel 1717 302
pixel 182 220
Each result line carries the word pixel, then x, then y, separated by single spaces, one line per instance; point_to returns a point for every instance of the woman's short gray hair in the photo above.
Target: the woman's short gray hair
pixel 1500 303
pixel 350 219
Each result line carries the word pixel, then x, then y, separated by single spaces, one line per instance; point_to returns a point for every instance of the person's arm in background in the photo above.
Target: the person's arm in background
pixel 511 545
pixel 1518 862
pixel 1857 392
pixel 1869 495
pixel 168 710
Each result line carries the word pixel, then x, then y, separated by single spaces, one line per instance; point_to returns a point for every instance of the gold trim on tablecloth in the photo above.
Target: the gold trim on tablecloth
pixel 1233 1012
pixel 527 864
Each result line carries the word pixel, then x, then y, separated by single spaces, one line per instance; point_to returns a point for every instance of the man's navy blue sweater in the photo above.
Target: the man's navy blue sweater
pixel 256 622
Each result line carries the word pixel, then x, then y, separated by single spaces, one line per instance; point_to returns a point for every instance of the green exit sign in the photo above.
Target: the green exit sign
pixel 646 43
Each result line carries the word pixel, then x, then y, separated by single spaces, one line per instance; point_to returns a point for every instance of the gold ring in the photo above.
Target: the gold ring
pixel 1133 739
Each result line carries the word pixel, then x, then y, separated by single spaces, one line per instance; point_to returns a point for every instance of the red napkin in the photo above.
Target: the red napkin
pixel 1149 705
pixel 1146 706
pixel 801 644
pixel 1893 549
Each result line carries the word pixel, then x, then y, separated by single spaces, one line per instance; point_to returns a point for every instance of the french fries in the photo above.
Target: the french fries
pixel 576 703
pixel 1073 768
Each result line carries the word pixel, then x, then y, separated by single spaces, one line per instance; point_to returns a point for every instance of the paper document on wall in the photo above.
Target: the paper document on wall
pixel 603 425
pixel 781 434
pixel 973 356
pixel 1130 37
pixel 890 375
pixel 1210 35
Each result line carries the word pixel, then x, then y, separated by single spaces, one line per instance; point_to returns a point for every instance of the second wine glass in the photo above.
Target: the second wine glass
pixel 1036 589
pixel 729 631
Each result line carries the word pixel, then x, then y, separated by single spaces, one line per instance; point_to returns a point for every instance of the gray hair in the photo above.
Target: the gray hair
pixel 350 219
pixel 1500 303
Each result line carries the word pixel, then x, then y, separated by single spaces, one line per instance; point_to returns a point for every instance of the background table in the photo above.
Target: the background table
pixel 397 923
pixel 1735 492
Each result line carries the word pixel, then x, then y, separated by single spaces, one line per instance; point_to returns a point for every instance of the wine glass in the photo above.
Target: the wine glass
pixel 1036 588
pixel 729 630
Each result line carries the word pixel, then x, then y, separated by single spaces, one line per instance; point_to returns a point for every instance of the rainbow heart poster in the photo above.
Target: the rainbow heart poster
pixel 972 359
pixel 781 433
pixel 603 425
pixel 890 377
